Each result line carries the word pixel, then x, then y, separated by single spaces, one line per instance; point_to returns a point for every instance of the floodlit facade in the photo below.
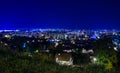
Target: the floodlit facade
pixel 64 59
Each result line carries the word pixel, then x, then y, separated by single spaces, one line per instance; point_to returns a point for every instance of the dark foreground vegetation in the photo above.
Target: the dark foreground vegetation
pixel 14 63
pixel 34 58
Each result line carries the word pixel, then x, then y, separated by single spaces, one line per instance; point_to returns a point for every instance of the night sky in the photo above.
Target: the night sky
pixel 70 14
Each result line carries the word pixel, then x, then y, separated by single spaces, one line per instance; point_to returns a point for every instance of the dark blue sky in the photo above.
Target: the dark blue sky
pixel 73 14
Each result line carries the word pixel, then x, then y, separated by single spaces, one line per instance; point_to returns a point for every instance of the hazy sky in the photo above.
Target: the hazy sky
pixel 73 14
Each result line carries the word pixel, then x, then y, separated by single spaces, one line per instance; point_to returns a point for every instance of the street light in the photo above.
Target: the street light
pixel 94 60
pixel 115 48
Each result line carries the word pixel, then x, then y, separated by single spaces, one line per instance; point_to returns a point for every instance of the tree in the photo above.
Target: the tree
pixel 105 56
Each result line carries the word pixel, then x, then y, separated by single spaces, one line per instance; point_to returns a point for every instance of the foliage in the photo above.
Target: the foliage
pixel 105 56
pixel 11 62
pixel 80 58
